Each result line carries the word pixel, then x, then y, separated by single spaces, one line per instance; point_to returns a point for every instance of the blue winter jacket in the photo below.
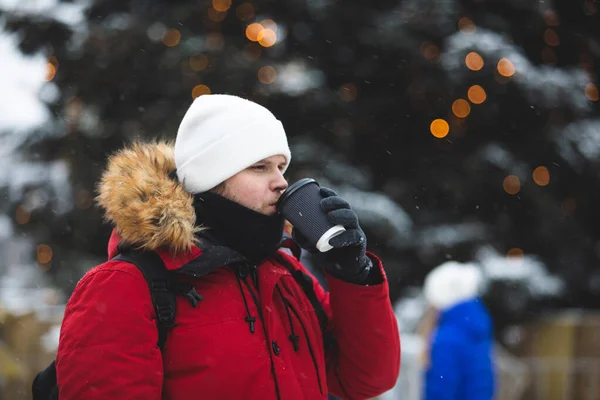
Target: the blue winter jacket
pixel 461 366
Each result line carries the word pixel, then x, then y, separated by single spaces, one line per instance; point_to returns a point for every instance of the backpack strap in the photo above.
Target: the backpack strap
pixel 157 277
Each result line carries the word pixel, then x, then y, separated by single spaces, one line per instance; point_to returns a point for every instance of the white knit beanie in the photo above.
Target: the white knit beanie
pixel 221 135
pixel 452 283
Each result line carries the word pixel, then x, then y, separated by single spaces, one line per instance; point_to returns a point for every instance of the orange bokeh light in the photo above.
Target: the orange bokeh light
pixel 22 215
pixel 171 38
pixel 505 67
pixel 591 92
pixel 439 128
pixel 50 71
pixel 199 62
pixel 221 5
pixel 476 94
pixel 465 25
pixel 253 30
pixel 511 184
pixel 515 252
pixel 44 254
pixel 461 108
pixel 474 61
pixel 541 176
pixel 200 90
pixel 267 37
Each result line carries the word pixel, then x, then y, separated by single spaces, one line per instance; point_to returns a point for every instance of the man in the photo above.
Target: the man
pixel 254 334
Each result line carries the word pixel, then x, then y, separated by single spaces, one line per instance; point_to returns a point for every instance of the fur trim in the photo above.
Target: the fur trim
pixel 148 208
pixel 452 283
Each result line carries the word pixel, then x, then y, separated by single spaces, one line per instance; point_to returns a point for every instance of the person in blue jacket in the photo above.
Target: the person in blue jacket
pixel 460 347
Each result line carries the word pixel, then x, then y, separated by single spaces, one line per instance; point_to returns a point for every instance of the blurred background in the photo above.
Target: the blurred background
pixel 460 130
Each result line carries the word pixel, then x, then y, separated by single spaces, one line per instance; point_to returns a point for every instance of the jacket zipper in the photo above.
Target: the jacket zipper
pixel 310 349
pixel 262 322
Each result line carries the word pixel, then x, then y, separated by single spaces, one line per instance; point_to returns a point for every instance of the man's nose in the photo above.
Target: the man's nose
pixel 280 184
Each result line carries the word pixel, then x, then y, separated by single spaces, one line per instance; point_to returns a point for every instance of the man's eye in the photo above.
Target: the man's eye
pixel 258 167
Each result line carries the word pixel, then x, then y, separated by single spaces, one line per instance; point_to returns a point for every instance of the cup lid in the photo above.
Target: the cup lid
pixel 293 188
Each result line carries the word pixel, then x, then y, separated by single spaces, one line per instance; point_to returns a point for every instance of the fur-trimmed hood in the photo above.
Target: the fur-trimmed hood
pixel 149 209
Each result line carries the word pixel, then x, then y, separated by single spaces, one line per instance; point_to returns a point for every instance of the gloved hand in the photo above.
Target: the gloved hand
pixel 347 260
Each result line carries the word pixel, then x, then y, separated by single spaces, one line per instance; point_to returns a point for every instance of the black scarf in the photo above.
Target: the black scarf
pixel 254 235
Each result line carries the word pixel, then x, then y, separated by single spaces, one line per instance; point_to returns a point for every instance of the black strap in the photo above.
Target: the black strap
pixel 157 277
pixel 44 384
pixel 306 283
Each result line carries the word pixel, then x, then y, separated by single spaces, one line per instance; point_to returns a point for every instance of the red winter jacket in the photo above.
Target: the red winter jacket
pixel 108 342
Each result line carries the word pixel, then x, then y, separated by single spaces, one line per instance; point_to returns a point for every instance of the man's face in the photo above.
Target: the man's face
pixel 259 186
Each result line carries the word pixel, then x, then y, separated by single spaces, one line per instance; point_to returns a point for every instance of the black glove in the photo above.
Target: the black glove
pixel 347 260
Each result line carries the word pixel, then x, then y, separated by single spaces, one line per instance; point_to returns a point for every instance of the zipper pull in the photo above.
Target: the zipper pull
pixel 254 272
pixel 250 320
pixel 294 339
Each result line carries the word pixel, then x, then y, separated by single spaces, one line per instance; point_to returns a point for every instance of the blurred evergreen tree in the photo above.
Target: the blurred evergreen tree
pixel 479 112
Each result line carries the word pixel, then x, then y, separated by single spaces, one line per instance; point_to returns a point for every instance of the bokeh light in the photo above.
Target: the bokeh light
pixel 200 90
pixel 253 30
pixel 461 108
pixel 50 71
pixel 439 128
pixel 199 62
pixel 474 61
pixel 269 24
pixel 171 38
pixel 476 94
pixel 430 51
pixel 511 184
pixel 44 254
pixel 22 215
pixel 551 38
pixel 348 92
pixel 505 67
pixel 221 5
pixel 267 37
pixel 515 252
pixel 541 176
pixel 465 25
pixel 591 92
pixel 267 75
pixel 551 18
